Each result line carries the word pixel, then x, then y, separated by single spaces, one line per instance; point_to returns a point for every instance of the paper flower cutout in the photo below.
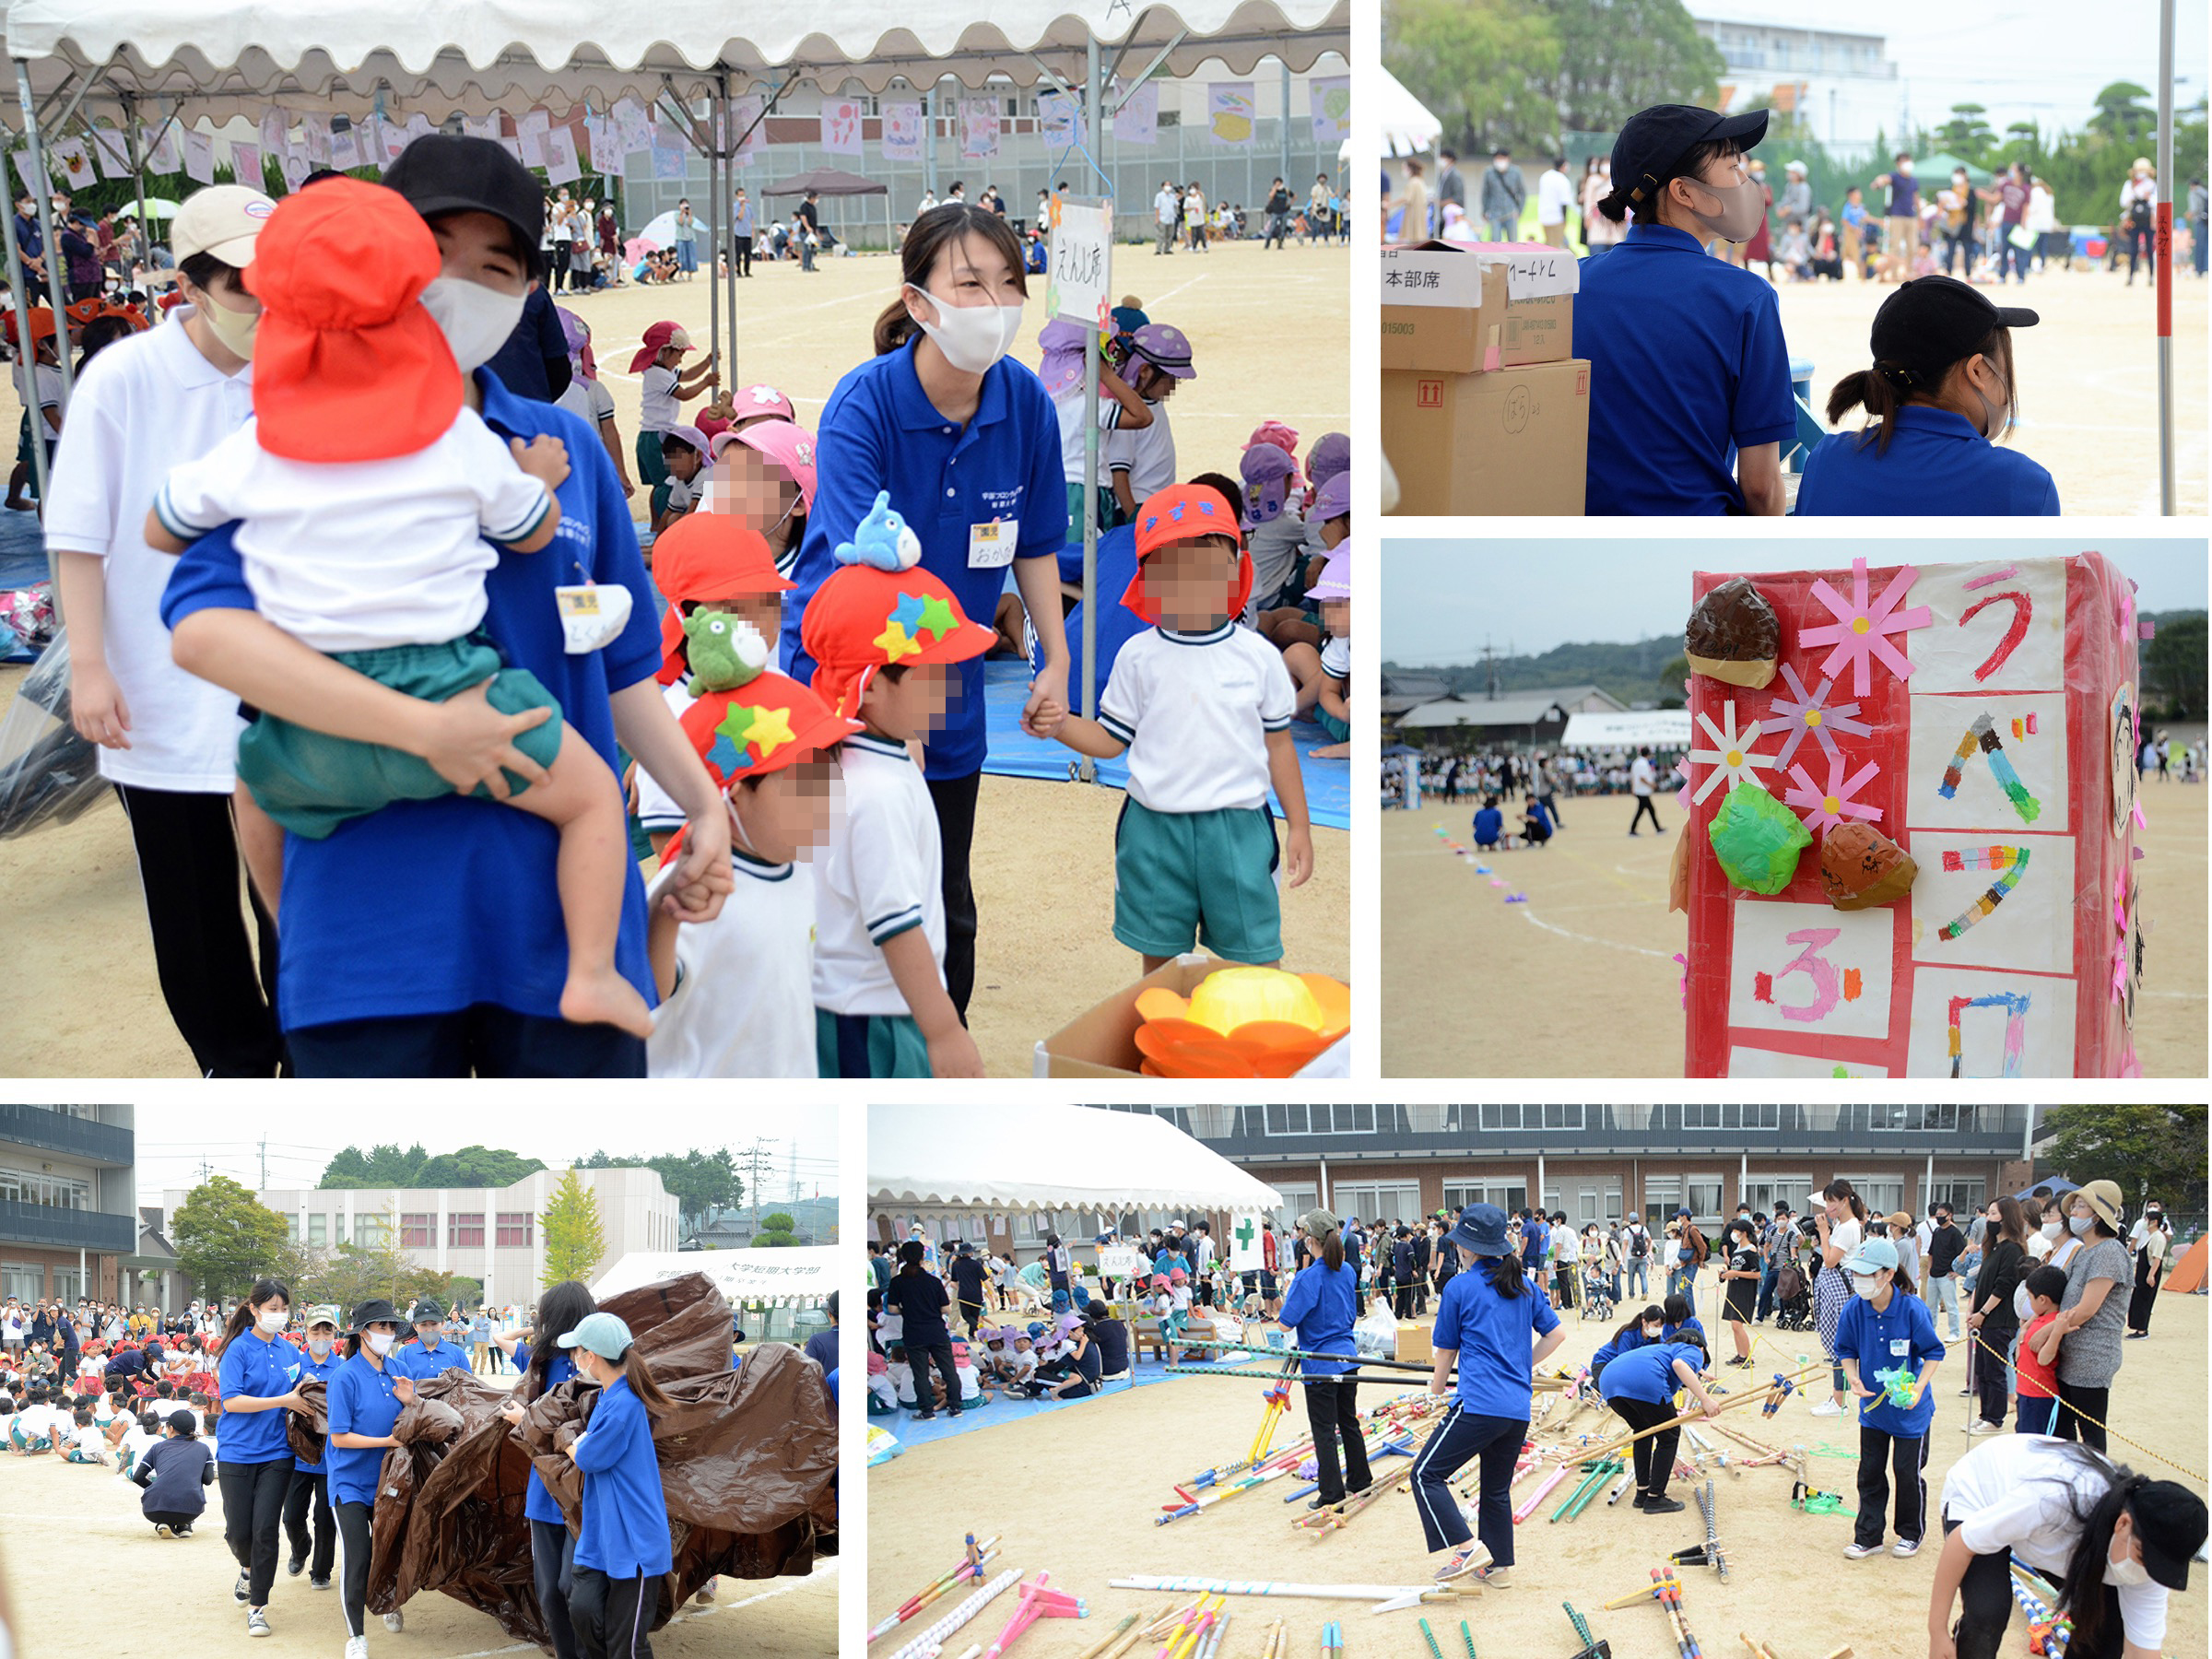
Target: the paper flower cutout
pixel 1730 757
pixel 1859 629
pixel 1831 806
pixel 1802 715
pixel 1242 1022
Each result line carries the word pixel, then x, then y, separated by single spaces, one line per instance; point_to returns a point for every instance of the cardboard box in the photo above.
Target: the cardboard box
pixel 1417 1342
pixel 1459 308
pixel 1102 1040
pixel 1512 440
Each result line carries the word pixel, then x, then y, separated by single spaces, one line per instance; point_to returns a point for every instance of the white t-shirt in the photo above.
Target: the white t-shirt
pixel 47 377
pixel 353 555
pixel 588 399
pixel 881 874
pixel 1641 777
pixel 743 1005
pixel 1336 658
pixel 1565 1246
pixel 1555 194
pixel 1276 547
pixel 1147 454
pixel 656 399
pixel 1068 407
pixel 1163 206
pixel 142 405
pixel 682 496
pixel 903 1380
pixel 2010 1492
pixel 2039 1247
pixel 1195 710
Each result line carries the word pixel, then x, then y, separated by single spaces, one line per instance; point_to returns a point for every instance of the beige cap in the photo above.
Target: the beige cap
pixel 222 221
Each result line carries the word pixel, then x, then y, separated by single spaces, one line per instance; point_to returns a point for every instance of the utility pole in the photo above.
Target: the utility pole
pixel 265 1163
pixel 752 1180
pixel 1489 668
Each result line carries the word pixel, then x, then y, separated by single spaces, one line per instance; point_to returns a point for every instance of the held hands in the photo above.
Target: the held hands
pixel 97 708
pixel 545 458
pixel 703 877
pixel 1047 707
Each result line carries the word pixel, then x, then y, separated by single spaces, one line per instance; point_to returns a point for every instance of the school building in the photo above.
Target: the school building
pixel 490 1234
pixel 1599 1162
pixel 68 1201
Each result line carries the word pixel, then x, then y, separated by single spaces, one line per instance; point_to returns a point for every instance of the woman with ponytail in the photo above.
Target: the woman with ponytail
pixel 1323 1302
pixel 1839 1215
pixel 545 1365
pixel 622 1545
pixel 258 1381
pixel 2114 1542
pixel 1498 1329
pixel 363 1400
pixel 1940 395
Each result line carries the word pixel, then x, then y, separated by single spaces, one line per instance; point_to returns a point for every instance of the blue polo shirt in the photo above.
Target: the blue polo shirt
pixel 1493 1334
pixel 1535 1238
pixel 1489 822
pixel 1117 623
pixel 1621 1342
pixel 430 907
pixel 625 1524
pixel 1686 364
pixel 312 1368
pixel 1937 465
pixel 361 1401
pixel 1880 1339
pixel 1672 1333
pixel 413 1359
pixel 881 431
pixel 537 1503
pixel 1321 1307
pixel 1648 1374
pixel 252 1369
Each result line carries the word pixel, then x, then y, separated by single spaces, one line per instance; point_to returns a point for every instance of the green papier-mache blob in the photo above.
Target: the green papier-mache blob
pixel 1757 840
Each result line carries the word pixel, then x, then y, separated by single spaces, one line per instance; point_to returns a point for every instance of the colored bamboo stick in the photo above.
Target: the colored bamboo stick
pixel 1038 1602
pixel 1528 1505
pixel 1097 1647
pixel 1174 1584
pixel 934 1638
pixel 969 1568
pixel 1278 1353
pixel 1468 1638
pixel 1730 1403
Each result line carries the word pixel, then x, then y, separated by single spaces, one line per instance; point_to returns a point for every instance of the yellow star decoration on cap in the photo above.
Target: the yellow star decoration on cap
pixel 896 643
pixel 771 730
pixel 938 617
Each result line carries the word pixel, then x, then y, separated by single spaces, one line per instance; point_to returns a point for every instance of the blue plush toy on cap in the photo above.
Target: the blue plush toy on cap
pixel 882 540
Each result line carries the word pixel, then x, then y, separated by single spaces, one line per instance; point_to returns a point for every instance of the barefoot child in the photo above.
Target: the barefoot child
pixel 1202 707
pixel 365 488
pixel 1885 1328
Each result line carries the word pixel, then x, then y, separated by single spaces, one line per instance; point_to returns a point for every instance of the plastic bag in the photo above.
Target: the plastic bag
pixel 1756 840
pixel 48 774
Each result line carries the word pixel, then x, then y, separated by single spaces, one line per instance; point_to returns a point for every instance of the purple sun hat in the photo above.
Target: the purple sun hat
pixel 1331 454
pixel 1165 349
pixel 1335 574
pixel 1063 364
pixel 1334 499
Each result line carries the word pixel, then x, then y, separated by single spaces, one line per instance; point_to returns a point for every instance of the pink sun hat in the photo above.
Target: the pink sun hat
pixel 789 447
pixel 749 403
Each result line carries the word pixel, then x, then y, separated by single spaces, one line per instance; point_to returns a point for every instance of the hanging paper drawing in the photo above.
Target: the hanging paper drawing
pixel 2009 863
pixel 1807 969
pixel 1982 735
pixel 1998 625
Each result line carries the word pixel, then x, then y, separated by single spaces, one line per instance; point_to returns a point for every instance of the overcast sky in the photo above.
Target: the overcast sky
pixel 173 1140
pixel 1441 597
pixel 2041 60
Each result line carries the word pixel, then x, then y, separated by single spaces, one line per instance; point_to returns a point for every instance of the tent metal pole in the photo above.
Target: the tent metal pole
pixel 26 378
pixel 1159 58
pixel 2162 267
pixel 929 137
pixel 1284 130
pixel 1091 440
pixel 69 113
pixel 45 194
pixel 715 242
pixel 730 142
pixel 137 143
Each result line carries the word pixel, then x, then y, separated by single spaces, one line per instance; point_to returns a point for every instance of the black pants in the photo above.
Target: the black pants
pixel 1401 1302
pixel 972 1315
pixel 2095 1402
pixel 484 1040
pixel 1992 1382
pixel 1332 1410
pixel 942 1353
pixel 253 1516
pixel 175 1520
pixel 553 1565
pixel 353 1567
pixel 743 265
pixel 1878 1455
pixel 2136 236
pixel 188 863
pixel 558 269
pixel 1654 1455
pixel 1644 806
pixel 1465 1435
pixel 955 802
pixel 1985 1607
pixel 613 1614
pixel 314 1490
pixel 2145 1294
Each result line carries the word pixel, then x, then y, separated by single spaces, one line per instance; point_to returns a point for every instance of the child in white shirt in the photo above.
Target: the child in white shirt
pixel 366 491
pixel 84 1444
pixel 903 1377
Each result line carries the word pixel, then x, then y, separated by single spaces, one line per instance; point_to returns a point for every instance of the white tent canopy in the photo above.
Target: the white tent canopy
pixel 1050 1158
pixel 1408 127
pixel 802 1273
pixel 1662 728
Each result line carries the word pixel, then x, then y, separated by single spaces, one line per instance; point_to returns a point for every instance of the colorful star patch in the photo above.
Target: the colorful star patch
pixel 908 613
pixel 894 641
pixel 737 724
pixel 938 617
pixel 771 730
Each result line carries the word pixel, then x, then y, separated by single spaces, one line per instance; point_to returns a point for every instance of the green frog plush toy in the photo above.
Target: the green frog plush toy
pixel 724 652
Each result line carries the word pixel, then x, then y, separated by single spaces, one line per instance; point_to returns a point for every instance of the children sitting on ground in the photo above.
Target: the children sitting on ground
pixel 1202 707
pixel 684 456
pixel 368 495
pixel 1328 696
pixel 882 1398
pixel 2035 1380
pixel 1489 825
pixel 83 1443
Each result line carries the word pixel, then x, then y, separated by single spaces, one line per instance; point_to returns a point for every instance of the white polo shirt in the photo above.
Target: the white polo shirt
pixel 1068 407
pixel 1336 658
pixel 1195 710
pixel 743 1005
pixel 353 555
pixel 1555 194
pixel 1147 454
pixel 881 874
pixel 656 399
pixel 143 406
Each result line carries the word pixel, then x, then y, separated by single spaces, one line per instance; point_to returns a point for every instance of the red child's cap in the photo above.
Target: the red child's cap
pixel 1178 513
pixel 762 727
pixel 658 338
pixel 348 365
pixel 863 618
pixel 707 555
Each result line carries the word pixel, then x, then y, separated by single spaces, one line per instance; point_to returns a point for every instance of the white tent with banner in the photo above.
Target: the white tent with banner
pixel 1661 728
pixel 801 1275
pixel 1408 128
pixel 686 59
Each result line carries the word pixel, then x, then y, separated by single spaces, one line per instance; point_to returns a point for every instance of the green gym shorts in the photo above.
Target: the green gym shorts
pixel 1205 875
pixel 869 1045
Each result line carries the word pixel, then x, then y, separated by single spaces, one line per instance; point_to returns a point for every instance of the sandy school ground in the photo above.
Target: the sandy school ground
pixel 1074 1492
pixel 1268 337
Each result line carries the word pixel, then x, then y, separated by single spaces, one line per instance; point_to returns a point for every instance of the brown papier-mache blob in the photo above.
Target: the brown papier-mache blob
pixel 1733 635
pixel 1861 867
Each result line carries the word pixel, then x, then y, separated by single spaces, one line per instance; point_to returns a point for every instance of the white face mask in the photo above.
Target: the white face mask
pixel 1499 162
pixel 476 319
pixel 2124 1571
pixel 380 1342
pixel 319 1346
pixel 1868 1285
pixel 972 337
pixel 273 1321
pixel 2049 1230
pixel 1905 168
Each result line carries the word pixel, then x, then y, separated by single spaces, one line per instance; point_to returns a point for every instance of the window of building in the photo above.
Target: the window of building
pixel 1505 1192
pixel 371 1232
pixel 1662 1198
pixel 68 1284
pixel 515 1227
pixel 1594 1201
pixel 1965 1197
pixel 1883 1194
pixel 415 1228
pixel 59 1192
pixel 464 1231
pixel 1377 1200
pixel 1297 1201
pixel 292 1227
pixel 26 1281
pixel 1762 1193
pixel 1705 1201
pixel 318 1229
pixel 337 1227
pixel 1321 1118
pixel 1719 1114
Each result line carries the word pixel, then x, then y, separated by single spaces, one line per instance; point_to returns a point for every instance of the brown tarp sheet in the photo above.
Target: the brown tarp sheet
pixel 749 1465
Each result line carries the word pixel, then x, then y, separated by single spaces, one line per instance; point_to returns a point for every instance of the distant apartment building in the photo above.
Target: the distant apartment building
pixel 1843 81
pixel 68 1201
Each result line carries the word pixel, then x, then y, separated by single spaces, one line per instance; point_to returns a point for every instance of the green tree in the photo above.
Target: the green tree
pixel 2123 116
pixel 381 1166
pixel 476 1166
pixel 226 1238
pixel 1967 132
pixel 2174 667
pixel 1480 66
pixel 700 1181
pixel 574 1239
pixel 1619 56
pixel 2152 1151
pixel 778 1221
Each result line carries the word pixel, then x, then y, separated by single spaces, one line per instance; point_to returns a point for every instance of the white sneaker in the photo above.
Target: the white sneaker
pixel 1905 1547
pixel 1983 1426
pixel 1827 1408
pixel 257 1622
pixel 396 1622
pixel 357 1647
pixel 1858 1552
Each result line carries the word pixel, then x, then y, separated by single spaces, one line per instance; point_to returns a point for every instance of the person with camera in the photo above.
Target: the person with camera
pixel 1837 1220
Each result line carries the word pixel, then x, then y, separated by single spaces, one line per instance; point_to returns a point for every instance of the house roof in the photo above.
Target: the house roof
pixel 1520 710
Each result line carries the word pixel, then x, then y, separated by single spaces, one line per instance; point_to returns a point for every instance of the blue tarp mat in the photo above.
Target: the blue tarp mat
pixel 22 558
pixel 1015 754
pixel 912 1431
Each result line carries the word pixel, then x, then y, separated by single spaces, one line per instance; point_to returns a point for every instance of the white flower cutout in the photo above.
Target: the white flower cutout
pixel 1730 757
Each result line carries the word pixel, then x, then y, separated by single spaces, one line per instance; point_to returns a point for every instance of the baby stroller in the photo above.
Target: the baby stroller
pixel 1793 1299
pixel 1597 1292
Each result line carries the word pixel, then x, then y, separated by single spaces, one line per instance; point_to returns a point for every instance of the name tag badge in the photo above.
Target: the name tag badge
pixel 991 546
pixel 1900 1346
pixel 591 616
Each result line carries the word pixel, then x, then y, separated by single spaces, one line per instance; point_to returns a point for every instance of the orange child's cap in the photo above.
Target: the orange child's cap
pixel 1180 512
pixel 707 555
pixel 863 618
pixel 762 727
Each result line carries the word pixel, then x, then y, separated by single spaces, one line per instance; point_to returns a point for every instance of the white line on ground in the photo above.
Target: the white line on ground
pixel 1535 921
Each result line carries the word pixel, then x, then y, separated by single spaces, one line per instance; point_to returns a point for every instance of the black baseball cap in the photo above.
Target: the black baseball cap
pixel 1933 322
pixel 1649 148
pixel 2170 1519
pixel 442 173
pixel 375 1310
